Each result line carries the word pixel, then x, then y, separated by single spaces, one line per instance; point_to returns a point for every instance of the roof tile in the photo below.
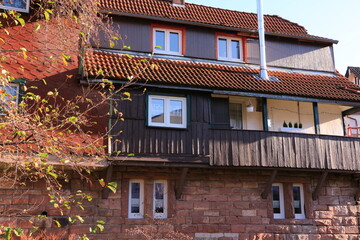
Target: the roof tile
pixel 204 14
pixel 218 76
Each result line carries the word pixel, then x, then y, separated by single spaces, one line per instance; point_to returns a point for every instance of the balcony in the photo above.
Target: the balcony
pixel 237 148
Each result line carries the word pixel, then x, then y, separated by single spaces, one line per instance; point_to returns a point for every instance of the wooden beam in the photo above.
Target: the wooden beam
pixel 316 118
pixel 320 184
pixel 108 175
pixel 351 111
pixel 265 114
pixel 180 184
pixel 268 186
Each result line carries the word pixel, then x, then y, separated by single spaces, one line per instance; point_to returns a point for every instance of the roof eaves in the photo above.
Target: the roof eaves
pixel 232 92
pixel 251 31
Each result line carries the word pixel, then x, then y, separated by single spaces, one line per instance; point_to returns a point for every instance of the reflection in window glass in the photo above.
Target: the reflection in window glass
pixel 14 3
pixel 222 48
pixel 8 97
pixel 276 199
pixel 175 112
pixel 160 40
pixel 157 110
pixel 174 42
pixel 235 51
pixel 135 197
pixel 235 111
pixel 297 199
pixel 159 198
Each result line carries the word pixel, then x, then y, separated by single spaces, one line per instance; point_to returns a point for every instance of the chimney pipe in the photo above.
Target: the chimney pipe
pixel 178 2
pixel 263 68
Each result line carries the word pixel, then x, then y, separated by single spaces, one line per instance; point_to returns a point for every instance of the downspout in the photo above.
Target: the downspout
pixel 263 68
pixel 111 111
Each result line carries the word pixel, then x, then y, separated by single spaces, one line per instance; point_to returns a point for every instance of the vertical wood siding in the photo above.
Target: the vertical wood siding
pixel 287 150
pixel 200 43
pixel 293 55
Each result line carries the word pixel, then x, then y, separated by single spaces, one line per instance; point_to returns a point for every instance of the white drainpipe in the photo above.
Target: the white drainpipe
pixel 263 68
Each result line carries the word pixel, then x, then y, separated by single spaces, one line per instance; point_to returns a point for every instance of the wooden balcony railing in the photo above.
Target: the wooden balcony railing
pixel 240 147
pixel 285 150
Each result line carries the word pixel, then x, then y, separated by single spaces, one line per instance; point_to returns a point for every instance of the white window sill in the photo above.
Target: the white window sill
pixel 292 130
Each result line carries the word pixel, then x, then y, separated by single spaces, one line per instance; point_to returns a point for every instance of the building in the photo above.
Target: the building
pixel 209 147
pixel 353 74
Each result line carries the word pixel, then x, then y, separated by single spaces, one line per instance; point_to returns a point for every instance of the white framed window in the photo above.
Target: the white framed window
pixel 16 5
pixel 298 198
pixel 167 41
pixel 167 111
pixel 9 97
pixel 230 49
pixel 278 201
pixel 160 199
pixel 136 199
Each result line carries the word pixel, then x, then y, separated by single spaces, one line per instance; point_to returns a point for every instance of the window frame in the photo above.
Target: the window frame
pixel 17 99
pixel 139 215
pixel 165 213
pixel 302 201
pixel 167 99
pixel 24 10
pixel 280 215
pixel 229 100
pixel 167 30
pixel 229 38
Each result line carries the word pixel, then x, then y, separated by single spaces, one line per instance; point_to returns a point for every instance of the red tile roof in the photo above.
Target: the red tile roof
pixel 206 15
pixel 43 51
pixel 179 73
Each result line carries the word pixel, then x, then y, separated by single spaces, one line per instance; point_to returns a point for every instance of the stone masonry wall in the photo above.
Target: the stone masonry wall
pixel 215 204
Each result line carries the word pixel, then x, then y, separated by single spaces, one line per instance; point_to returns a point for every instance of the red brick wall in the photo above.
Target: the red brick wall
pixel 215 204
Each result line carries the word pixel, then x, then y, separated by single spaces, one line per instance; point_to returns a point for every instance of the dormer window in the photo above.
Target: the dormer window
pixel 16 5
pixel 168 41
pixel 230 48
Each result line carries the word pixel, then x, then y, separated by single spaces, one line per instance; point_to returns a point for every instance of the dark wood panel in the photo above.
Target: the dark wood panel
pixel 285 150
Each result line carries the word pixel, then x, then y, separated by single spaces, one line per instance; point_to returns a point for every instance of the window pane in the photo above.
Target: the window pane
pixel 222 48
pixel 235 49
pixel 276 199
pixel 14 3
pixel 174 42
pixel 236 115
pixel 176 111
pixel 157 110
pixel 159 198
pixel 8 97
pixel 297 199
pixel 160 40
pixel 135 197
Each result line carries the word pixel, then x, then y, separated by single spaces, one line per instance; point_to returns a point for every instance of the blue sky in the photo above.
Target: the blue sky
pixel 339 20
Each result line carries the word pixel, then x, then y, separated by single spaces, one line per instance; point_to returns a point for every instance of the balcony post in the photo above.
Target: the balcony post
pixel 316 118
pixel 265 114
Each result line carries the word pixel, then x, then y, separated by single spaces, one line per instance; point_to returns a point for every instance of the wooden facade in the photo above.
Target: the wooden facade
pixel 201 43
pixel 227 147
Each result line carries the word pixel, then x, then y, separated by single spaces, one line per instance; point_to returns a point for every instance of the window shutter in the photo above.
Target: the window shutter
pixel 220 113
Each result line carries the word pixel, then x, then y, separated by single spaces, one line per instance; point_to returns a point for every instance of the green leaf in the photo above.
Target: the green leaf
pixel 21 21
pixel 72 219
pixel 18 231
pixel 43 155
pixel 101 221
pixel 112 44
pixel 47 16
pixel 37 27
pixel 112 186
pixel 80 218
pixel 57 223
pixel 101 227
